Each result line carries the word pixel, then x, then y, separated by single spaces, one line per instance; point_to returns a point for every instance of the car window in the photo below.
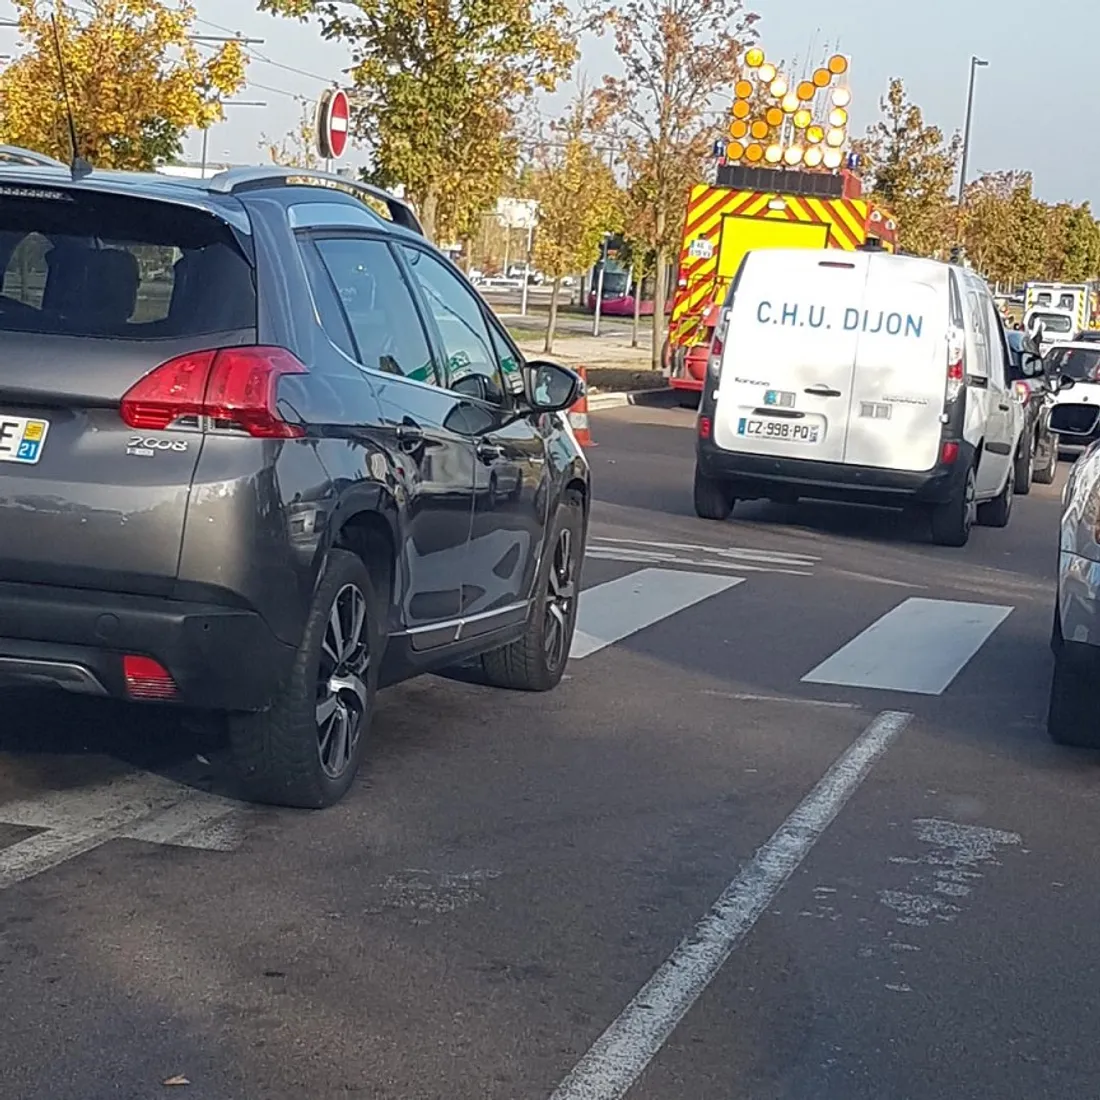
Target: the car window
pixel 980 323
pixel 1000 359
pixel 119 267
pixel 472 366
pixel 389 334
pixel 511 363
pixel 1052 322
pixel 1080 364
pixel 330 310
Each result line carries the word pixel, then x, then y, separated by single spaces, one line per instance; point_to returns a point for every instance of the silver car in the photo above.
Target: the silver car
pixel 1075 639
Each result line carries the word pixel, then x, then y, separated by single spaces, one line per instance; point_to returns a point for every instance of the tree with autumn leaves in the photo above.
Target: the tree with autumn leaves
pixel 136 81
pixel 579 201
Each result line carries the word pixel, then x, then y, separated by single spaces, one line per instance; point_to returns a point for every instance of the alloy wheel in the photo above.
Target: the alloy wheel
pixel 342 681
pixel 561 600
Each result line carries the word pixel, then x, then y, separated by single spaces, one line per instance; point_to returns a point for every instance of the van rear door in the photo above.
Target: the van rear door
pixel 790 354
pixel 901 365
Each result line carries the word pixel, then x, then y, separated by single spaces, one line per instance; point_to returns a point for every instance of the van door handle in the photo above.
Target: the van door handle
pixel 821 390
pixel 1004 408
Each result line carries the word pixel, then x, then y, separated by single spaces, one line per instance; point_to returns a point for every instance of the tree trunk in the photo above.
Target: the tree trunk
pixel 428 211
pixel 637 310
pixel 467 248
pixel 660 278
pixel 548 344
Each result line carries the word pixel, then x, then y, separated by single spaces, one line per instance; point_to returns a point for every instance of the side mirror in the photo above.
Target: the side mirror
pixel 1031 365
pixel 553 387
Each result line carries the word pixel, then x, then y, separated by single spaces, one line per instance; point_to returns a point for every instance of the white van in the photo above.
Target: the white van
pixel 863 377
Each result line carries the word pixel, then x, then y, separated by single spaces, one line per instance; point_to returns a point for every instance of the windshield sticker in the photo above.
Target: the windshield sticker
pixel 870 321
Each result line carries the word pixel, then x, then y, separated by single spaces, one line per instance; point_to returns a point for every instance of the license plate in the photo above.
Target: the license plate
pixel 22 440
pixel 791 430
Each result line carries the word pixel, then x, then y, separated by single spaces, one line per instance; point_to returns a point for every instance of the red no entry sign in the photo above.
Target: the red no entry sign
pixel 333 119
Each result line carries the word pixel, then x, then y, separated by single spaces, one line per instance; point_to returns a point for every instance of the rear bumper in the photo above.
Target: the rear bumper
pixel 756 476
pixel 220 658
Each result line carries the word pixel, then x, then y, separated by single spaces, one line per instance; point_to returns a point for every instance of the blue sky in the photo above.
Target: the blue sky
pixel 1018 122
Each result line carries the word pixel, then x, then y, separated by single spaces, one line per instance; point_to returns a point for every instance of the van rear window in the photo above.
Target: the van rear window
pixel 118 267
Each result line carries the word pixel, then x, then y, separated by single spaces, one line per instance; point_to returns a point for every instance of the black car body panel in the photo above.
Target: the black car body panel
pixel 225 536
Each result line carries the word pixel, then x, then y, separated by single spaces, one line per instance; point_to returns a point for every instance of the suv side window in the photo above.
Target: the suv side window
pixel 472 367
pixel 1000 358
pixel 385 323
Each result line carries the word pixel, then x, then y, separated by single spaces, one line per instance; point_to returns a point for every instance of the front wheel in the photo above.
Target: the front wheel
pixel 306 748
pixel 536 661
pixel 998 511
pixel 1071 716
pixel 952 521
pixel 1044 474
pixel 714 499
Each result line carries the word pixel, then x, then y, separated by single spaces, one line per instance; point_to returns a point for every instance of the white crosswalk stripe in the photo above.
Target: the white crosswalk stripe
pixel 919 647
pixel 698 556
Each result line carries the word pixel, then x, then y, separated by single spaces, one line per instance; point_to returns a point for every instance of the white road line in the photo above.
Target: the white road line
pixel 655 557
pixel 749 697
pixel 137 806
pixel 612 611
pixel 777 557
pixel 920 647
pixel 620 1054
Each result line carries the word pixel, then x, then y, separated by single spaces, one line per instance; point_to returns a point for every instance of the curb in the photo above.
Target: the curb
pixel 666 395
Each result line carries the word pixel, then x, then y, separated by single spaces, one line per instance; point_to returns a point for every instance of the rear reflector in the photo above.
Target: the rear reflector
pixel 704 427
pixel 147 679
pixel 235 387
pixel 949 453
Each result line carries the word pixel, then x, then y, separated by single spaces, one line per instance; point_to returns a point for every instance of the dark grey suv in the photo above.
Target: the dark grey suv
pixel 263 449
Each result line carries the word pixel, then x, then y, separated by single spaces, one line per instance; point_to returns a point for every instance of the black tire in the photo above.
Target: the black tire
pixel 952 521
pixel 1072 717
pixel 714 499
pixel 536 661
pixel 1024 468
pixel 998 511
pixel 1045 474
pixel 279 752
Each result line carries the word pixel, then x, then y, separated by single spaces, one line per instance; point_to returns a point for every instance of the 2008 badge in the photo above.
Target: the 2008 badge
pixel 138 445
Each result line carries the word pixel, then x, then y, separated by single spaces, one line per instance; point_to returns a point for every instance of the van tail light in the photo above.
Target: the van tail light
pixel 949 453
pixel 956 365
pixel 147 679
pixel 1022 391
pixel 704 427
pixel 717 347
pixel 235 388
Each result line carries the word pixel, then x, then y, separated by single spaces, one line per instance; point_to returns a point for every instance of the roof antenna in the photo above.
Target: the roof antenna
pixel 78 167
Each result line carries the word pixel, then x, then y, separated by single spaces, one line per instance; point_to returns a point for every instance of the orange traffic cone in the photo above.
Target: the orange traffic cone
pixel 578 414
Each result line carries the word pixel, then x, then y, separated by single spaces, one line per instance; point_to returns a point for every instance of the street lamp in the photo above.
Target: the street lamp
pixel 206 129
pixel 599 285
pixel 976 63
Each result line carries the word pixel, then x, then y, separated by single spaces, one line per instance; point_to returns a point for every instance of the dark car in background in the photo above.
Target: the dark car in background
pixel 263 450
pixel 1039 460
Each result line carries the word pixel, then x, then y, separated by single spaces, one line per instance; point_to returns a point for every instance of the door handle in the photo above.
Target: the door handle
pixel 1004 408
pixel 821 390
pixel 410 436
pixel 488 452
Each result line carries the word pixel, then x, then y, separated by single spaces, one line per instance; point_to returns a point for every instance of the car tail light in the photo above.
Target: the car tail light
pixel 234 387
pixel 949 453
pixel 147 679
pixel 704 427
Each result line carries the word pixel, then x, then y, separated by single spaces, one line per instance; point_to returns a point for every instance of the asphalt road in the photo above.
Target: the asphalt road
pixel 516 900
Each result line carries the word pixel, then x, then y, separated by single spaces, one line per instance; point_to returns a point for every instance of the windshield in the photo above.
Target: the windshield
pixel 615 284
pixel 1051 322
pixel 1080 364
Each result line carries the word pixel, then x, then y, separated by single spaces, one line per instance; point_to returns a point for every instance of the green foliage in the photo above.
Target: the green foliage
pixel 911 168
pixel 437 85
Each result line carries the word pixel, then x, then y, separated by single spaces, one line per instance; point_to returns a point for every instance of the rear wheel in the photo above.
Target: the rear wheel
pixel 714 499
pixel 1024 467
pixel 952 521
pixel 537 660
pixel 306 748
pixel 998 511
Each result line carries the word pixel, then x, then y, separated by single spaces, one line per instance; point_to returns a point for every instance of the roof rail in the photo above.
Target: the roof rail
pixel 16 154
pixel 259 176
